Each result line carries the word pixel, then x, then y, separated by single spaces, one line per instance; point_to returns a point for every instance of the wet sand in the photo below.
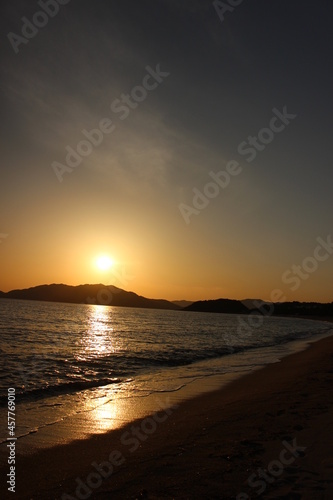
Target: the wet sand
pixel 272 426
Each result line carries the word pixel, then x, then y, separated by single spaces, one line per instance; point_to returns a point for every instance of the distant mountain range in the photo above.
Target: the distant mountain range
pixel 111 295
pixel 261 307
pixel 88 294
pixel 182 303
pixel 219 305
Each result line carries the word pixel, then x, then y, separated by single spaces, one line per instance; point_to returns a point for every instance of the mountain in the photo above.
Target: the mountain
pixel 266 308
pixel 182 303
pixel 111 295
pixel 218 306
pixel 303 309
pixel 88 294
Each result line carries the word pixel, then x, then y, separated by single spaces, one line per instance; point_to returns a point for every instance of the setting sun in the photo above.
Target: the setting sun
pixel 104 262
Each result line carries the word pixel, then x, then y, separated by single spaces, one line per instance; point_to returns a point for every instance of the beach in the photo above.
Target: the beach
pixel 266 434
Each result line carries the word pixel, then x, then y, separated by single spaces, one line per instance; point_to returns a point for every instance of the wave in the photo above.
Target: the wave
pixel 53 373
pixel 59 389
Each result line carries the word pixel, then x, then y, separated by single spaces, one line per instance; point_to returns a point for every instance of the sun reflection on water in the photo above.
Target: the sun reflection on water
pixel 99 336
pixel 99 340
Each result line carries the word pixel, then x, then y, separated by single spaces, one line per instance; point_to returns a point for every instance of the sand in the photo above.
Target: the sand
pixel 273 427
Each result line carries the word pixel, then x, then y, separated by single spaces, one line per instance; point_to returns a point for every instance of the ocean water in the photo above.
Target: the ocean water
pixel 74 358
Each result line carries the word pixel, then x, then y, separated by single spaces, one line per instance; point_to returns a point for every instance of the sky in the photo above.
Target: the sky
pixel 185 99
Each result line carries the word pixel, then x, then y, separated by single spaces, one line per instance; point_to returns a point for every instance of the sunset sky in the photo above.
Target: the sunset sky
pixel 222 77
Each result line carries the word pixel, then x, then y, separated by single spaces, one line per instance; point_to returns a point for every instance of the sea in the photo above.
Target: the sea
pixel 79 369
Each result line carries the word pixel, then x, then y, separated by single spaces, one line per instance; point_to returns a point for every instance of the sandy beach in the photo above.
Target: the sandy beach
pixel 265 434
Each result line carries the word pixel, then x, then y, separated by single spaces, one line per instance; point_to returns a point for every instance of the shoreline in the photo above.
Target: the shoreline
pixel 54 422
pixel 207 445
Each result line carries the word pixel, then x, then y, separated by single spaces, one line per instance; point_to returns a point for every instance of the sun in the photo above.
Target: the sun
pixel 104 262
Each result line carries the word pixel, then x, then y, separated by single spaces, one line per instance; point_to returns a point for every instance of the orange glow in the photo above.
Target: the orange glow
pixel 104 262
